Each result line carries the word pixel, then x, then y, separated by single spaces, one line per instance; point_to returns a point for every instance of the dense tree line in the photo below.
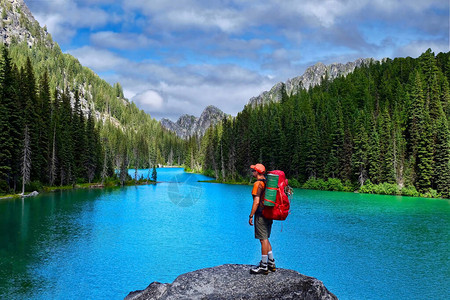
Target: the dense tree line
pixel 43 139
pixel 131 136
pixel 387 122
pixel 46 138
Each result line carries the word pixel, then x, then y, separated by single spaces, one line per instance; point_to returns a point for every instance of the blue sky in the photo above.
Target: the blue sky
pixel 177 57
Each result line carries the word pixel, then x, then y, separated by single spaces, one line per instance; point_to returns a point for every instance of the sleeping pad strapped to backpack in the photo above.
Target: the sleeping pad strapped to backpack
pixel 278 209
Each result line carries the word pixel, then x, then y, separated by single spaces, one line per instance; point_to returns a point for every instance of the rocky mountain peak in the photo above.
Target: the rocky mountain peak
pixel 18 25
pixel 187 125
pixel 311 77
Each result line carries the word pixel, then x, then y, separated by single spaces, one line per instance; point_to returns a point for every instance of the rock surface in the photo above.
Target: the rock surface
pixel 19 24
pixel 236 282
pixel 187 125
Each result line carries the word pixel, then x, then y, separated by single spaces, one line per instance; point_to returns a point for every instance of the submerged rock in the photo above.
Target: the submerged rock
pixel 236 282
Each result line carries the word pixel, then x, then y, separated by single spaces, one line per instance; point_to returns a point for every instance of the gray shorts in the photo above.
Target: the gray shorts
pixel 263 227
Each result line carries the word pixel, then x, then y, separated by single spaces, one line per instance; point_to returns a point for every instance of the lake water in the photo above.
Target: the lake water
pixel 102 244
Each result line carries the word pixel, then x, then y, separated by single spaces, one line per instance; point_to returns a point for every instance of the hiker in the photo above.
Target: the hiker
pixel 263 226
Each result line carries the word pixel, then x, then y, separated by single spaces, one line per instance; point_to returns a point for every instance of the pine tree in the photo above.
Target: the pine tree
pixel 45 132
pixel 79 139
pixel 311 143
pixel 53 160
pixel 10 123
pixel 26 159
pixel 154 174
pixel 32 119
pixel 360 153
pixel 5 147
pixel 424 163
pixel 428 67
pixel 415 115
pixel 374 155
pixel 105 167
pixel 91 159
pixel 6 143
pixel 338 136
pixel 65 141
pixel 445 98
pixel 442 158
pixel 386 148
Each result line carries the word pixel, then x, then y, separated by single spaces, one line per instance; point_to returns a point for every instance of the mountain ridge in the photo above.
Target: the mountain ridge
pixel 188 125
pixel 312 76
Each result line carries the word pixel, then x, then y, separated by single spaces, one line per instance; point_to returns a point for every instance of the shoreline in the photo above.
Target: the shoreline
pixel 94 185
pixel 394 187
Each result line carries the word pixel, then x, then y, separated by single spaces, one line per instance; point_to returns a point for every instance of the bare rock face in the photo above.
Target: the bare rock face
pixel 17 23
pixel 312 77
pixel 187 125
pixel 236 282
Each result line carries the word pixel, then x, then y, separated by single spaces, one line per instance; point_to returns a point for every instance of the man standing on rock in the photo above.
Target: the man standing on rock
pixel 263 226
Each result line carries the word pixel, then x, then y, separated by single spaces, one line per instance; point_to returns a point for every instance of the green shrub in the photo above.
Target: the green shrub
pixel 431 194
pixel 367 188
pixel 294 183
pixel 315 184
pixel 388 189
pixel 334 184
pixel 410 191
pixel 382 188
pixel 349 186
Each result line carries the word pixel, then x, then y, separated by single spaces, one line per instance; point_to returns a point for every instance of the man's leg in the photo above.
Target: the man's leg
pixel 267 255
pixel 266 247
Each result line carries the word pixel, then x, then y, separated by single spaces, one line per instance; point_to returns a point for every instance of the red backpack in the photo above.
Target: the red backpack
pixel 281 209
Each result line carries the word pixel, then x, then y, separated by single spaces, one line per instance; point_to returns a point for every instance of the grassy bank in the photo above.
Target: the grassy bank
pixel 334 184
pixel 109 183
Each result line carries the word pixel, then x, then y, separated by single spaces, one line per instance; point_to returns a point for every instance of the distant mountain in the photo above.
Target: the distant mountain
pixel 187 125
pixel 312 76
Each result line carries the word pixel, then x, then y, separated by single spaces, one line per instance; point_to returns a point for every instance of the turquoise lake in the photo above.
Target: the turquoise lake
pixel 104 243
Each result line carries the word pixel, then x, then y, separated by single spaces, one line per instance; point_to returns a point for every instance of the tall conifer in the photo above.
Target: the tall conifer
pixel 442 158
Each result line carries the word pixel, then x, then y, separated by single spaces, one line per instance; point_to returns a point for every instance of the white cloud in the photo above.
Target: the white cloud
pixel 98 60
pixel 149 100
pixel 175 59
pixel 110 39
pixel 416 48
pixel 165 92
pixel 64 17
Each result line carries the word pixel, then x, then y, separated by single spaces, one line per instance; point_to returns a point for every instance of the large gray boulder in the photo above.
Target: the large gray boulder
pixel 236 282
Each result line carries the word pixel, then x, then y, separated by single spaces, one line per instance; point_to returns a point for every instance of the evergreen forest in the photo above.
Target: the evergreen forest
pixel 47 139
pixel 382 129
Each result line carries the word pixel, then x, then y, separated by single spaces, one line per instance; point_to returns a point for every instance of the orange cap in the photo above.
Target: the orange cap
pixel 258 168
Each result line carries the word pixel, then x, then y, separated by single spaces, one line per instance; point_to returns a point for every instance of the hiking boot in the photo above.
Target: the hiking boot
pixel 261 269
pixel 271 265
